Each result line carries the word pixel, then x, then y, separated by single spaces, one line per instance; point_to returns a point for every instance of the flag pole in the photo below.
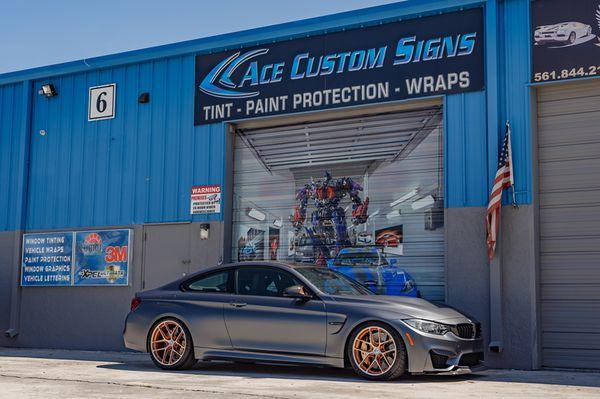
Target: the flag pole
pixel 510 162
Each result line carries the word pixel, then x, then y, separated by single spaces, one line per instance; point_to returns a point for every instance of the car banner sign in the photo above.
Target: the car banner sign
pixel 566 39
pixel 420 57
pixel 102 257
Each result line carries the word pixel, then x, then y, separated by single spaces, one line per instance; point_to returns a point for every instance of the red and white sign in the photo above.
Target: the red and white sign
pixel 205 199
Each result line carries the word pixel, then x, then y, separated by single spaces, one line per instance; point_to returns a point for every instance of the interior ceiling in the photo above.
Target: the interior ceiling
pixel 358 140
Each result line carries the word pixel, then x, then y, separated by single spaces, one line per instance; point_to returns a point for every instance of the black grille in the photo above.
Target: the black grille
pixel 467 330
pixel 471 359
pixel 438 361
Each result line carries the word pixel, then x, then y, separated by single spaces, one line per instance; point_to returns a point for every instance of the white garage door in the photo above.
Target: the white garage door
pixel 569 154
pixel 397 158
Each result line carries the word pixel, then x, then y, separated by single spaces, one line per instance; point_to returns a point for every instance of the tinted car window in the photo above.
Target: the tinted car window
pixel 263 281
pixel 219 282
pixel 333 283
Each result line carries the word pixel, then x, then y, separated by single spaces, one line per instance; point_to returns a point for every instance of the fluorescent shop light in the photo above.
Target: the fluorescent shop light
pixel 423 202
pixel 374 214
pixel 393 214
pixel 404 198
pixel 256 214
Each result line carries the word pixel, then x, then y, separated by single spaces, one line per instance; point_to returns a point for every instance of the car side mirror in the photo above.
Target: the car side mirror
pixel 297 291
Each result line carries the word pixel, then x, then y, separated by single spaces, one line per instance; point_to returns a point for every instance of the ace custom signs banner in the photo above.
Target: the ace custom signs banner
pixel 565 39
pixel 414 58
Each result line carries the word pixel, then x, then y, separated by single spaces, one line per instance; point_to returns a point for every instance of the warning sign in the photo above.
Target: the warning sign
pixel 205 199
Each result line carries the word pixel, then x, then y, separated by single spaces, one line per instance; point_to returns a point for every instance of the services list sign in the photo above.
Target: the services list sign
pixel 426 56
pixel 47 259
pixel 99 257
pixel 566 39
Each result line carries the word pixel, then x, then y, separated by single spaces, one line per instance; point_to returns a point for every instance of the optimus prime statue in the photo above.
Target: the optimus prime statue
pixel 329 219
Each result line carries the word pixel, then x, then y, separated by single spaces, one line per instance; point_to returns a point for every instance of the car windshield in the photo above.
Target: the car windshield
pixel 333 283
pixel 359 259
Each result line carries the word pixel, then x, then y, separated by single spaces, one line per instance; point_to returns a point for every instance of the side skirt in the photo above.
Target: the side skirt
pixel 220 354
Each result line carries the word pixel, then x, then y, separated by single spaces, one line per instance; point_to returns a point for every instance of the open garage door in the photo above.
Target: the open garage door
pixel 396 245
pixel 569 156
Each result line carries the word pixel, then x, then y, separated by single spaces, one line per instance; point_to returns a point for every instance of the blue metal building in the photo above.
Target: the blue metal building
pixel 61 172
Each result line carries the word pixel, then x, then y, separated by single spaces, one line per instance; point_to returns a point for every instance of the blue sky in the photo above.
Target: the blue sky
pixel 43 32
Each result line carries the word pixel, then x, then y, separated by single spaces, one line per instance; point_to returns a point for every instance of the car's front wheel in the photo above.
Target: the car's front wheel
pixel 376 352
pixel 170 345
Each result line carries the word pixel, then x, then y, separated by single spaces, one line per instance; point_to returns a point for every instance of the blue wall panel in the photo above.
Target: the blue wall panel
pixel 516 94
pixel 138 167
pixel 12 142
pixel 466 149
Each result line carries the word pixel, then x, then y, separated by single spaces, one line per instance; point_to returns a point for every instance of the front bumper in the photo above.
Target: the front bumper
pixel 448 354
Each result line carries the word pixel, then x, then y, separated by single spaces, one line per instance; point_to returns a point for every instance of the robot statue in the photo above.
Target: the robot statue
pixel 328 220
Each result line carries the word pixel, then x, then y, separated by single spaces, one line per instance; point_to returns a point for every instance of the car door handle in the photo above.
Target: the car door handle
pixel 238 304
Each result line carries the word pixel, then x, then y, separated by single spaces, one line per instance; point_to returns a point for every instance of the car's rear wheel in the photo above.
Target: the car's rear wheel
pixel 376 352
pixel 170 345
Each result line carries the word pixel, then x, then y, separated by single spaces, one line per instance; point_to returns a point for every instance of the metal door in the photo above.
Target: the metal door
pixel 569 188
pixel 166 253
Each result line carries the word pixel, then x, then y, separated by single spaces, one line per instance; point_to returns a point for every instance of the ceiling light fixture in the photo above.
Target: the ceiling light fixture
pixel 423 202
pixel 405 197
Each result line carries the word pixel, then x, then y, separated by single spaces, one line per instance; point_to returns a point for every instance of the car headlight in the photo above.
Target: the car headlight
pixel 429 327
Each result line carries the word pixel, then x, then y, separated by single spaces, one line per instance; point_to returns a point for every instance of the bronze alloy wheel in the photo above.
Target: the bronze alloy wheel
pixel 168 343
pixel 376 351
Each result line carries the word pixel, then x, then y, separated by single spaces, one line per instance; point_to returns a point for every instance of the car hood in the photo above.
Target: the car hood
pixel 405 307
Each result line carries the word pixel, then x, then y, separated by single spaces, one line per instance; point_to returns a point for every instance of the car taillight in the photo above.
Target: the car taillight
pixel 135 302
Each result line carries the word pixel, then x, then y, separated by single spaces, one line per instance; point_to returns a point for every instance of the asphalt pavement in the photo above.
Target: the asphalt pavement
pixel 30 373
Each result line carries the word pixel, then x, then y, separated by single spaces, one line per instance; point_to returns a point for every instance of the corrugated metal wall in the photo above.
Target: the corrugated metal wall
pixel 138 167
pixel 466 150
pixel 12 129
pixel 514 94
pixel 474 129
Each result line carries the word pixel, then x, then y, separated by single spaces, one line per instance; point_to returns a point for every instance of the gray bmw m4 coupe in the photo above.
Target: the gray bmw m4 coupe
pixel 278 313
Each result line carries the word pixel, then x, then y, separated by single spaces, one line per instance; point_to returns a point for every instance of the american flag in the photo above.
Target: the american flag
pixel 504 179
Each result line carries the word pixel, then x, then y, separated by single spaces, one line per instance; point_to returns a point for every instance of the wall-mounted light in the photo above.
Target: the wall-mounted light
pixel 48 90
pixel 278 223
pixel 256 214
pixel 204 231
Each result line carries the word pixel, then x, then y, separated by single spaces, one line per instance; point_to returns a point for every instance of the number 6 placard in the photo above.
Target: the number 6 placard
pixel 102 102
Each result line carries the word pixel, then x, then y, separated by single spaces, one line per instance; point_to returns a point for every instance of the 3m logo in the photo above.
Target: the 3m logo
pixel 116 254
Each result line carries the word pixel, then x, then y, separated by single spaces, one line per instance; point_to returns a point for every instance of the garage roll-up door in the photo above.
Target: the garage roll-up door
pixel 397 158
pixel 569 156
